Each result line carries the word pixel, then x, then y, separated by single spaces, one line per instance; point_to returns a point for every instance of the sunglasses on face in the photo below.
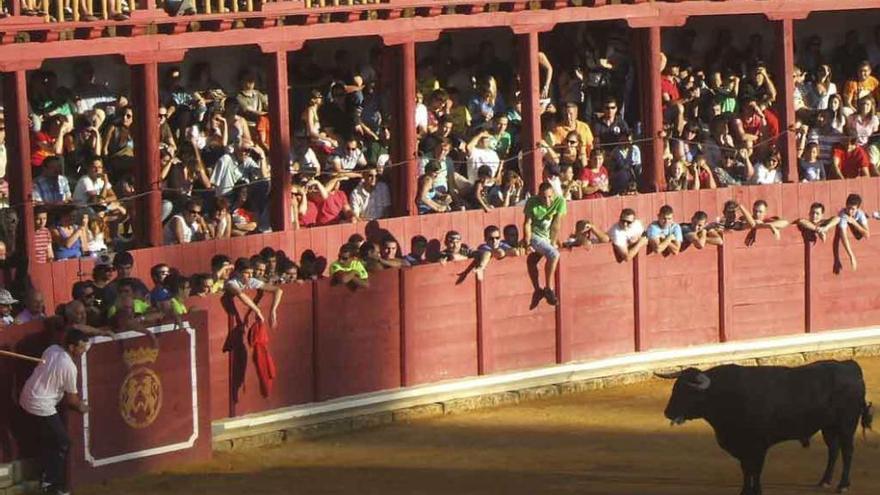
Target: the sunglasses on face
pixel 572 142
pixel 626 222
pixel 196 212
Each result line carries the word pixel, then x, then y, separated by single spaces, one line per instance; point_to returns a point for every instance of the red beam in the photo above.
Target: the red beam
pixel 527 46
pixel 279 152
pixel 18 145
pixel 145 96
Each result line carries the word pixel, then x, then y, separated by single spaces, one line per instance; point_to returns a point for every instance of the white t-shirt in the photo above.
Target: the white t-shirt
pixel 49 382
pixel 236 283
pixel 480 157
pixel 624 236
pixel 764 175
pixel 84 186
pixel 370 205
pixel 188 230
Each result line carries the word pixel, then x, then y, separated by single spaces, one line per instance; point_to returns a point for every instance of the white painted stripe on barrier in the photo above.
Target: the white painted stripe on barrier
pixel 5 470
pixel 731 350
pixel 164 449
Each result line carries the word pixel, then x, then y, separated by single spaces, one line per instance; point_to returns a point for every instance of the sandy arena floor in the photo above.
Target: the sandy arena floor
pixel 612 441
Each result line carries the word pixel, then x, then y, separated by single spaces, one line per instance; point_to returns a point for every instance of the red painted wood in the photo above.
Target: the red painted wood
pixel 280 140
pixel 218 361
pixel 519 337
pixel 784 30
pixel 18 150
pixel 681 300
pixel 766 302
pixel 291 348
pixel 598 305
pixel 847 299
pixel 358 337
pixel 440 317
pixel 527 47
pixel 145 97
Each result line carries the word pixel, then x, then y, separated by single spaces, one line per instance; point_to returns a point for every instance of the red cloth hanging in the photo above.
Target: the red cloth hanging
pixel 258 339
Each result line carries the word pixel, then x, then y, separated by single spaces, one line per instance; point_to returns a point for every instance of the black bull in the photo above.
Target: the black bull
pixel 753 408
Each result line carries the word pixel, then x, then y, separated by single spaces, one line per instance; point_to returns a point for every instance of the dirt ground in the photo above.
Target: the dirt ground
pixel 613 441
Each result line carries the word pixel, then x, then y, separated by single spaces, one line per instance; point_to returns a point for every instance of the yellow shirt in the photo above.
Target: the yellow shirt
pixel 581 128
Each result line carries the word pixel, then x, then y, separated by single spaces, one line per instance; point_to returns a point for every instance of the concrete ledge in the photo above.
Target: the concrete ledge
pixel 436 399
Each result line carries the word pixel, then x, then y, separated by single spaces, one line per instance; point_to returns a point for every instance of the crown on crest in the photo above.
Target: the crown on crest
pixel 140 355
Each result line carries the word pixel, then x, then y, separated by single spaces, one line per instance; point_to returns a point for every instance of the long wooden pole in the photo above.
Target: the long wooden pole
pixel 20 356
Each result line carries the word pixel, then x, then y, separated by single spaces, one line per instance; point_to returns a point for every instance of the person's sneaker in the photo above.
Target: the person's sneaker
pixel 550 296
pixel 876 215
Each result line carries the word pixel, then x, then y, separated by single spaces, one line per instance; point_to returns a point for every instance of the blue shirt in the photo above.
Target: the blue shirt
pixel 655 231
pixel 51 191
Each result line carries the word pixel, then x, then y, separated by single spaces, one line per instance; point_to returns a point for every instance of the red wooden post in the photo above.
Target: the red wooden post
pixel 527 45
pixel 145 97
pixel 725 301
pixel 279 152
pixel 784 102
pixel 408 139
pixel 640 291
pixel 654 176
pixel 18 146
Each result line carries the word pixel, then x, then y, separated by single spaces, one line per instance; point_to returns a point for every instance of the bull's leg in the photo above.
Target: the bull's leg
pixel 831 440
pixel 752 465
pixel 846 448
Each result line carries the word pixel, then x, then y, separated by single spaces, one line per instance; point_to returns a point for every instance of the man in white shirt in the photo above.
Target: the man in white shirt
pixel 348 157
pixel 481 153
pixel 371 199
pixel 626 236
pixel 239 165
pixel 52 381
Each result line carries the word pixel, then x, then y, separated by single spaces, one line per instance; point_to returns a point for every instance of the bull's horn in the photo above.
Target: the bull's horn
pixel 668 376
pixel 701 381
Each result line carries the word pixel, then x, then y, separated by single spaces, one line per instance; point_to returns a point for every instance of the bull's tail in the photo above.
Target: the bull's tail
pixel 867 417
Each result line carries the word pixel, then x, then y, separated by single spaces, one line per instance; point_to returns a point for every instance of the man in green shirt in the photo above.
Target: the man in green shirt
pixel 543 214
pixel 349 270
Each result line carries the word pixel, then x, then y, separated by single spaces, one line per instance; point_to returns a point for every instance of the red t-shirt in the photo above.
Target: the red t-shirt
pixel 38 153
pixel 330 208
pixel 670 88
pixel 595 179
pixel 772 124
pixel 752 125
pixel 311 215
pixel 852 162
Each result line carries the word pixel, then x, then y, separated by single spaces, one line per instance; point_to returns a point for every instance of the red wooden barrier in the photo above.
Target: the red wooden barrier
pixel 846 299
pixel 291 347
pixel 440 323
pixel 357 341
pixel 516 334
pixel 681 299
pixel 766 284
pixel 217 329
pixel 597 304
pixel 147 405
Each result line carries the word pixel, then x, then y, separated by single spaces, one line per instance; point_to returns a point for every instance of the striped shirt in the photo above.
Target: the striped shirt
pixel 42 243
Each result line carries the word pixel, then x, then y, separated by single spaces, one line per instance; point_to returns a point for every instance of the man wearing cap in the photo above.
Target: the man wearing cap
pixel 54 381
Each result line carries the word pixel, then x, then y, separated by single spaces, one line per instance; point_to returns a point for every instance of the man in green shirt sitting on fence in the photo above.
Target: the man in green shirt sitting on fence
pixel 543 213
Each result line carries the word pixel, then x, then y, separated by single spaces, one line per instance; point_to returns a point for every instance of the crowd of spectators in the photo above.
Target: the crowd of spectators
pixel 722 112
